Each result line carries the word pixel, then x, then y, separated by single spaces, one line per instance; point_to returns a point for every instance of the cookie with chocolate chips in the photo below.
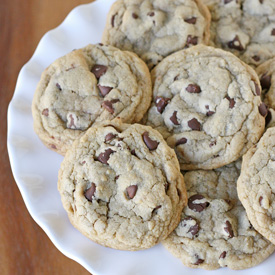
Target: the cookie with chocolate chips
pixel 121 186
pixel 156 28
pixel 214 230
pixel 266 73
pixel 256 185
pixel 244 27
pixel 87 86
pixel 207 105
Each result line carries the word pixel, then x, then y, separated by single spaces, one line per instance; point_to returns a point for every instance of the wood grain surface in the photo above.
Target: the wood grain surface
pixel 24 247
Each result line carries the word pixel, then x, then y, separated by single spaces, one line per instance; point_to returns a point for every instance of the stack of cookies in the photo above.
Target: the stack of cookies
pixel 163 136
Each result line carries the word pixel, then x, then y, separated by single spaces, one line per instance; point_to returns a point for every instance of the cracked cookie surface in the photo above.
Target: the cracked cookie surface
pixel 256 185
pixel 244 27
pixel 156 28
pixel 87 86
pixel 121 186
pixel 214 230
pixel 207 105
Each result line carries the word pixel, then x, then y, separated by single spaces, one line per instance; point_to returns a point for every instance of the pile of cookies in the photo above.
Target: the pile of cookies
pixel 165 138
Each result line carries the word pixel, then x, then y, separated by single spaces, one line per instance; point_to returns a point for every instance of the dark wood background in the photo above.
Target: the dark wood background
pixel 24 247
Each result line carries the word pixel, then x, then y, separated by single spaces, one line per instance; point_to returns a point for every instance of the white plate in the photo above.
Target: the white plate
pixel 35 167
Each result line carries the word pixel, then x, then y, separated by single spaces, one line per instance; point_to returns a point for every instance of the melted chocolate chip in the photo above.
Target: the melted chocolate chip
pixel 194 124
pixel 268 118
pixel 89 193
pixel 109 137
pixel 151 144
pixel 260 200
pixel 99 70
pixel 131 191
pixel 223 255
pixel 257 89
pixel 151 13
pixel 191 40
pixel 197 207
pixel 265 81
pixel 191 20
pixel 161 103
pixel 256 58
pixel 113 20
pixel 174 119
pixel 231 102
pixel 134 15
pixel 104 90
pixel 45 112
pixel 273 32
pixel 228 229
pixel 181 141
pixel 104 157
pixel 236 44
pixel 210 113
pixel 193 229
pixel 108 106
pixel 193 89
pixel 58 86
pixel 263 109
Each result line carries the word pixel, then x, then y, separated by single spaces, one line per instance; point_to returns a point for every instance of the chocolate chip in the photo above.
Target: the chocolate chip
pixel 104 90
pixel 104 157
pixel 133 152
pixel 83 162
pixel 268 118
pixel 223 255
pixel 53 146
pixel 116 177
pixel 213 143
pixel 45 112
pixel 193 89
pixel 199 261
pixel 193 229
pixel 99 70
pixel 197 207
pixel 108 106
pixel 58 86
pixel 210 113
pixel 257 89
pixel 151 144
pixel 113 20
pixel 191 40
pixel 181 141
pixel 228 229
pixel 227 1
pixel 236 44
pixel 151 13
pixel 191 20
pixel 100 44
pixel 131 191
pixel 174 119
pixel 89 193
pixel 260 200
pixel 273 32
pixel 194 124
pixel 261 1
pixel 71 124
pixel 109 137
pixel 231 102
pixel 155 209
pixel 134 15
pixel 161 103
pixel 265 81
pixel 207 107
pixel 256 58
pixel 263 109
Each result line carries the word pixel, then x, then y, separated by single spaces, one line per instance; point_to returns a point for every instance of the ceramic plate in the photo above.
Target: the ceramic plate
pixel 35 168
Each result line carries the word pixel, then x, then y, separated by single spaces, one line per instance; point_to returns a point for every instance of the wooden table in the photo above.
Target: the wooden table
pixel 24 247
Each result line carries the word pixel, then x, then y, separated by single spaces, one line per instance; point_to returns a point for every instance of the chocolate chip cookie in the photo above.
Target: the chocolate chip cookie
pixel 156 28
pixel 207 105
pixel 87 86
pixel 214 230
pixel 121 186
pixel 244 27
pixel 266 73
pixel 256 185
